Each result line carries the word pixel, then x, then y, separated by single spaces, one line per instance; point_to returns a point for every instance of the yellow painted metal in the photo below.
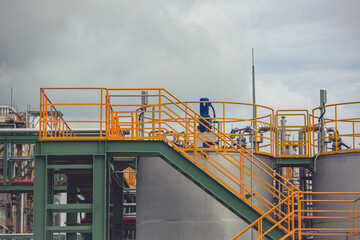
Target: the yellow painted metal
pixel 130 177
pixel 164 117
pixel 339 116
pixel 294 219
pixel 167 118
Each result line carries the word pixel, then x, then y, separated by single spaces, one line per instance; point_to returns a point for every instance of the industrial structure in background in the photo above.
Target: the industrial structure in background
pixel 99 163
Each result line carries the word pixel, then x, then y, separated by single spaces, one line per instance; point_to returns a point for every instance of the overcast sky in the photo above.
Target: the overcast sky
pixel 192 48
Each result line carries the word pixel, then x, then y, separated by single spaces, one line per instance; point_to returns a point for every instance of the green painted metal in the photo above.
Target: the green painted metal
pixel 100 222
pixel 70 166
pixel 71 217
pixel 28 173
pixel 20 138
pixel 149 148
pixel 21 171
pixel 40 196
pixel 27 188
pixel 118 195
pixel 16 188
pixel 16 236
pixel 294 162
pixel 74 207
pixel 5 168
pixel 49 200
pixel 70 229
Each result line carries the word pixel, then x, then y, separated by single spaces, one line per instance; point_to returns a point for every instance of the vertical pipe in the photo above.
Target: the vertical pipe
pixel 282 135
pixel 254 127
pixel 11 96
pixel 22 213
pixel 142 114
pixel 321 120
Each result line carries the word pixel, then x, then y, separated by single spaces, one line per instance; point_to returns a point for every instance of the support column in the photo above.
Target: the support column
pixel 100 221
pixel 40 197
pixel 5 168
pixel 71 217
pixel 118 194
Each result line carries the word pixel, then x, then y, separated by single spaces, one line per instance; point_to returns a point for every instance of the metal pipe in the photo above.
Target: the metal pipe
pixel 35 131
pixel 302 141
pixel 22 213
pixel 254 125
pixel 282 135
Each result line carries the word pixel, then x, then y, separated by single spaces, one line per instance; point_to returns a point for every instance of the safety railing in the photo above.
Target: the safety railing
pixel 287 221
pixel 256 133
pixel 315 214
pixel 175 122
pixel 337 130
pixel 292 133
pixel 158 115
pixel 155 114
pixel 52 124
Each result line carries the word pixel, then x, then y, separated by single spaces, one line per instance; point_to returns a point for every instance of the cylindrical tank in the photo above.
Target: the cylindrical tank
pixel 170 206
pixel 335 173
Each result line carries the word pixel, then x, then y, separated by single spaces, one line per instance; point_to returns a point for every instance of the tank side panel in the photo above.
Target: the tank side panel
pixel 336 173
pixel 169 206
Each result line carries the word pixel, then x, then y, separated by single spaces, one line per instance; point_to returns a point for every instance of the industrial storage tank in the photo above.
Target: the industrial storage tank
pixel 170 206
pixel 337 172
pixel 337 168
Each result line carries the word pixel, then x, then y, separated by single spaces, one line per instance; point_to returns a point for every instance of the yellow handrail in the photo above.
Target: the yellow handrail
pixel 168 119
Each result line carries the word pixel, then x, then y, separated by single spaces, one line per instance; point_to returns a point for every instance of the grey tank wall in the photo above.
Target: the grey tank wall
pixel 169 206
pixel 336 173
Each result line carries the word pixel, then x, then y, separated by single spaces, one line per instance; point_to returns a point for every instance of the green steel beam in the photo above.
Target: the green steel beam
pixel 40 197
pixel 100 222
pixel 294 162
pixel 28 173
pixel 149 148
pixel 5 168
pixel 16 188
pixel 118 195
pixel 71 207
pixel 49 200
pixel 71 217
pixel 20 139
pixel 27 188
pixel 21 171
pixel 70 229
pixel 70 166
pixel 16 236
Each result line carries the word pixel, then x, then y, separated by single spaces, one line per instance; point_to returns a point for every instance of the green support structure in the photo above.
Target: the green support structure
pixel 40 196
pixel 100 221
pixel 5 168
pixel 16 236
pixel 307 162
pixel 71 217
pixel 118 195
pixel 100 149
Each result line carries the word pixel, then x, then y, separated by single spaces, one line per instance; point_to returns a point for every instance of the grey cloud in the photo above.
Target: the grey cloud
pixel 192 48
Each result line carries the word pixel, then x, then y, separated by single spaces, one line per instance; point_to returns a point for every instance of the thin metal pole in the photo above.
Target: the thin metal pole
pixel 11 96
pixel 254 127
